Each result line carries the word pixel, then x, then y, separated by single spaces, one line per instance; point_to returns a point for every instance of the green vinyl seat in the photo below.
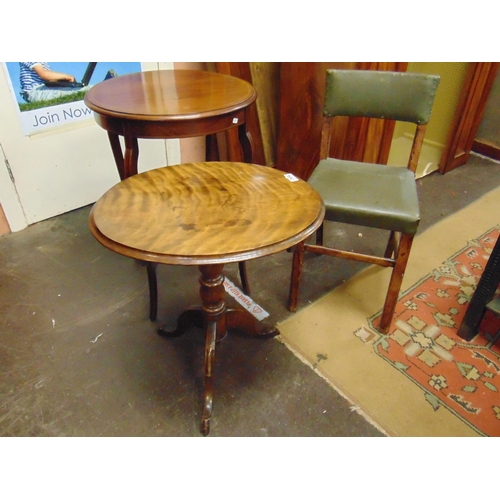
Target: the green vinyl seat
pixel 368 194
pixel 392 203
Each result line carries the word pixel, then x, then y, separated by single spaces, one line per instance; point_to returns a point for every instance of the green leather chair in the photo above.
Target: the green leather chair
pixel 366 194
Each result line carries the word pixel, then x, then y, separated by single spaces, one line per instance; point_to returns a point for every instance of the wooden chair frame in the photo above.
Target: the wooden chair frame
pixel 397 250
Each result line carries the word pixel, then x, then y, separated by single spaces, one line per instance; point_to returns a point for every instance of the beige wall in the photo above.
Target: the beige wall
pixel 452 79
pixel 489 128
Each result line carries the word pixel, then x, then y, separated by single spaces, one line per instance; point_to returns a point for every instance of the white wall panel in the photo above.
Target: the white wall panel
pixel 63 169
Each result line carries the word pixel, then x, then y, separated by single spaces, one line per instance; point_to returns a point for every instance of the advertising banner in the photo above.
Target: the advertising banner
pixel 49 95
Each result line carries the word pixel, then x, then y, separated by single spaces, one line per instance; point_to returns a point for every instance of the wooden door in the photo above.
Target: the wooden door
pixel 471 104
pixel 487 137
pixel 302 88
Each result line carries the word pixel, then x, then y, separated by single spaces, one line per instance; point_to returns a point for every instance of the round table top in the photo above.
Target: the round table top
pixel 176 94
pixel 206 213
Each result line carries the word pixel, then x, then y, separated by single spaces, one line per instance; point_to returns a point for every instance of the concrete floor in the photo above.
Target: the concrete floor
pixel 79 356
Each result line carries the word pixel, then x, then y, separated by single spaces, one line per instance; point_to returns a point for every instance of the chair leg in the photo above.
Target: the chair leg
pixel 402 255
pixel 298 261
pixel 153 290
pixel 391 246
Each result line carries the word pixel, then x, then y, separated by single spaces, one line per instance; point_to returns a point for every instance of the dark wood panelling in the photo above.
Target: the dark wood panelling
pixel 302 87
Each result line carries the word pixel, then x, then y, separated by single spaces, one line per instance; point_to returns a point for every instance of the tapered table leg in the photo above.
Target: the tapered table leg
pixel 131 156
pixel 116 148
pixel 244 277
pixel 153 290
pixel 246 142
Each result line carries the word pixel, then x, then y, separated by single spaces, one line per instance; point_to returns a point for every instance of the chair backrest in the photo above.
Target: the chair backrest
pixel 389 95
pixel 380 94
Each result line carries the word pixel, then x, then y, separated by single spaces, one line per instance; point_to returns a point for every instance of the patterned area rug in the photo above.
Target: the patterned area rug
pixel 423 345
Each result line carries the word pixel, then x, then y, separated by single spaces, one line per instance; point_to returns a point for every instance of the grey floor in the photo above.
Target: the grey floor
pixel 79 356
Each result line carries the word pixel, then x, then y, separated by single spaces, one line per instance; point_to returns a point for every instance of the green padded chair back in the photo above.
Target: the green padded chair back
pixel 390 95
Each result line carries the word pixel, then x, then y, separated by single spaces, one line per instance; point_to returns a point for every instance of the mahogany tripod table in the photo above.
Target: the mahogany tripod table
pixel 207 214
